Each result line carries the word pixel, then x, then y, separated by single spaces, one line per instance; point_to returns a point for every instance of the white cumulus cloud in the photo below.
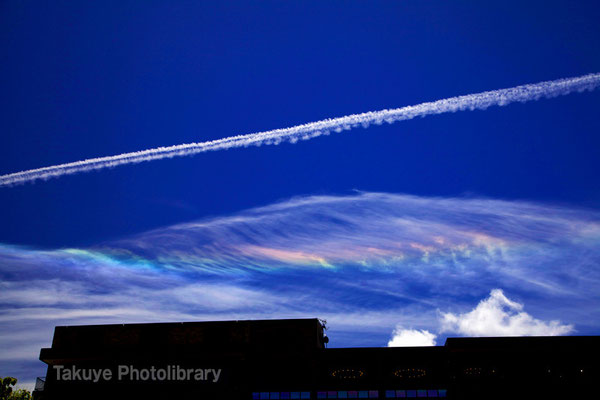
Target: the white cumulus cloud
pixel 497 315
pixel 411 337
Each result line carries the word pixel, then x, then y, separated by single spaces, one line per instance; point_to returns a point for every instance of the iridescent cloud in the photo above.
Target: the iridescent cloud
pixel 366 262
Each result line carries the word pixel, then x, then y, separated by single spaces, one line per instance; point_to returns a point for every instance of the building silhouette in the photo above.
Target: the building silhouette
pixel 288 359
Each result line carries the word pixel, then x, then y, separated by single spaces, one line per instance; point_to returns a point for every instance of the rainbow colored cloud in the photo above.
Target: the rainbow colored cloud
pixel 369 263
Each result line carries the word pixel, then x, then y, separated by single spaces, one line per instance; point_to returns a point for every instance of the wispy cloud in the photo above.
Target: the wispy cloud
pixel 478 101
pixel 365 262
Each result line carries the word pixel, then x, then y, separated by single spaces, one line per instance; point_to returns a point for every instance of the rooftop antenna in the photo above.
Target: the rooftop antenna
pixel 323 323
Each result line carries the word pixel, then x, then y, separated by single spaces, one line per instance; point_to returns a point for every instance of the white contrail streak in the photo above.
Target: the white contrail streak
pixel 478 101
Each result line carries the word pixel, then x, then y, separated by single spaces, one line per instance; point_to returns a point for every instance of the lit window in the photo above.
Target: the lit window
pixel 342 394
pixel 442 393
pixel 432 393
pixel 411 393
pixel 390 394
pixel 255 396
pixel 295 395
pixel 348 373
pixel 410 373
pixel 305 395
pixel 400 393
pixel 285 395
pixel 363 394
pixel 421 393
pixel 352 394
pixel 373 394
pixel 321 395
pixel 275 395
pixel 473 371
pixel 332 394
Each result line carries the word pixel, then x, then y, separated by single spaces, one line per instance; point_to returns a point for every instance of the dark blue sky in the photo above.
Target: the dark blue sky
pixel 88 79
pixel 479 223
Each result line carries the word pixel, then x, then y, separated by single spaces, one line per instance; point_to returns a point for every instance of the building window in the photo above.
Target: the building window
pixel 410 373
pixel 280 395
pixel 401 394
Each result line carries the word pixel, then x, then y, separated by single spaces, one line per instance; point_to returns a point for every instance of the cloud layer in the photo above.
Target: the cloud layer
pixel 367 263
pixel 477 101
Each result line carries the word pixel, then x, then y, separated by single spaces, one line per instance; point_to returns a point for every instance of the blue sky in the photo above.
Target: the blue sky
pixel 505 198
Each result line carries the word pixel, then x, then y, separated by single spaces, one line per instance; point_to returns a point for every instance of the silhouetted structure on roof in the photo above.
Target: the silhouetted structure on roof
pixel 287 359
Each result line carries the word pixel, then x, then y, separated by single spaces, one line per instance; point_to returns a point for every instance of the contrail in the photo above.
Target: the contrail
pixel 477 101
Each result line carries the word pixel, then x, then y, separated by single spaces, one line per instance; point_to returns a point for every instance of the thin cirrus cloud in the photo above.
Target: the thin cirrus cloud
pixel 366 262
pixel 477 101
